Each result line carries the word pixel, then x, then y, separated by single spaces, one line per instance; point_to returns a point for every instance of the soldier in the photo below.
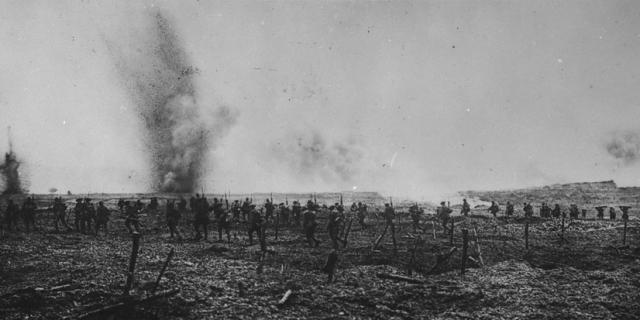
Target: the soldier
pixel 584 213
pixel 362 213
pixel 600 214
pixel 88 215
pixel 201 218
pixel 494 209
pixel 389 214
pixel 509 209
pixel 545 211
pixel 59 210
pixel 309 225
pixel 121 205
pixel 612 213
pixel 173 218
pixel 556 211
pixel 269 208
pixel 255 223
pixel 102 217
pixel 246 209
pixel 182 207
pixel 78 210
pixel 415 213
pixel 625 212
pixel 284 214
pixel 29 213
pixel 236 211
pixel 297 213
pixel 466 208
pixel 153 204
pixel 574 212
pixel 222 220
pixel 132 218
pixel 528 210
pixel 11 214
pixel 442 213
pixel 333 226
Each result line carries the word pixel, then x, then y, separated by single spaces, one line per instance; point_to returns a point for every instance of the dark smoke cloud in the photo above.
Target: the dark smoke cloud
pixel 11 174
pixel 310 155
pixel 624 146
pixel 179 130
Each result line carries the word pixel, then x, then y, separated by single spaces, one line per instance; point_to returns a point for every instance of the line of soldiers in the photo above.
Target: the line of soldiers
pixel 574 212
pixel 13 213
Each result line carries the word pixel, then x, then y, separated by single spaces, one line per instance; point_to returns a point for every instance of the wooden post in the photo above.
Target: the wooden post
pixel 465 239
pixel 164 267
pixel 624 233
pixel 433 224
pixel 451 230
pixel 526 233
pixel 132 262
pixel 562 230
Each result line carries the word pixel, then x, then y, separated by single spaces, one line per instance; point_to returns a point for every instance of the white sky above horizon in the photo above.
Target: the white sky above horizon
pixel 435 96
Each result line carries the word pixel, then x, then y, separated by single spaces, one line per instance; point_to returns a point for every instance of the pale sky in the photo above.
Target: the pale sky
pixel 410 98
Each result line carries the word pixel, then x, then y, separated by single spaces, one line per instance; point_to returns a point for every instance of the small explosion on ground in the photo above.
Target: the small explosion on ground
pixel 10 173
pixel 179 130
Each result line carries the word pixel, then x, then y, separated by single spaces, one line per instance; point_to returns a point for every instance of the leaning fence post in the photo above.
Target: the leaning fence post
pixel 132 262
pixel 465 240
pixel 526 233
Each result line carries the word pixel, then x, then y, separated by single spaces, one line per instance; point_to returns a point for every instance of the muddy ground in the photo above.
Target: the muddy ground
pixel 584 273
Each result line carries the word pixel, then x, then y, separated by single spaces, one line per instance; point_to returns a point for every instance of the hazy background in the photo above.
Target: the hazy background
pixel 416 98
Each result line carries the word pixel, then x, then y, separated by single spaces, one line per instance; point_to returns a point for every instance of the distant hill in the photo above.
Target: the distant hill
pixel 593 193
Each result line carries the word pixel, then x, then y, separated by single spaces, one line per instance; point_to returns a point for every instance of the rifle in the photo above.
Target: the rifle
pixel 341 200
pixel 286 201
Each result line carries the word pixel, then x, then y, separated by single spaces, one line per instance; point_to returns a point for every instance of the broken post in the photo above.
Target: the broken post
pixel 526 233
pixel 285 298
pixel 465 239
pixel 624 233
pixel 377 242
pixel 132 262
pixel 164 268
pixel 475 233
pixel 433 224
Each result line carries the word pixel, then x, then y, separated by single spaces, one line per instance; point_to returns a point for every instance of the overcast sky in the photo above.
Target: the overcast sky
pixel 415 98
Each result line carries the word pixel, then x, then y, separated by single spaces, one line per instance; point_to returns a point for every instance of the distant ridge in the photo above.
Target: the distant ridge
pixel 595 193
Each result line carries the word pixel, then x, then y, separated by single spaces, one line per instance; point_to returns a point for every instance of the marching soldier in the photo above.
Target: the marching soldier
pixel 29 213
pixel 556 211
pixel 466 208
pixel 494 209
pixel 625 212
pixel 545 211
pixel 443 213
pixel 78 211
pixel 201 218
pixel 528 210
pixel 59 210
pixel 246 209
pixel 612 213
pixel 362 213
pixel 574 212
pixel 102 217
pixel 11 215
pixel 297 213
pixel 256 223
pixel 333 225
pixel 132 219
pixel 600 214
pixel 173 218
pixel 88 215
pixel 222 218
pixel 309 225
pixel 269 208
pixel 509 209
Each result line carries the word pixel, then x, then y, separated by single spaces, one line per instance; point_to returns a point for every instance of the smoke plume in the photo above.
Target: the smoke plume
pixel 624 146
pixel 179 130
